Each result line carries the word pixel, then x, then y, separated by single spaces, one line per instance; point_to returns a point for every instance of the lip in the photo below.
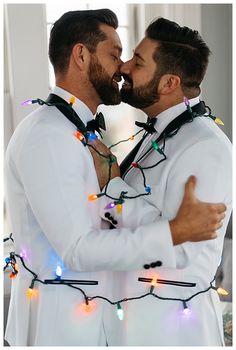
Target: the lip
pixel 114 81
pixel 126 85
pixel 117 77
pixel 115 84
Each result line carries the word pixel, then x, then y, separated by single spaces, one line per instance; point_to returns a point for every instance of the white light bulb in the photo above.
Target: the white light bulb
pixel 58 271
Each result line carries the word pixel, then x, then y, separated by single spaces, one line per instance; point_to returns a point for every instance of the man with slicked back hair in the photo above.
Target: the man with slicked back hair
pixel 163 79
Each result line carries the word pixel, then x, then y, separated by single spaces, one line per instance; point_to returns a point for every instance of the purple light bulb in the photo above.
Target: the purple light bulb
pixel 110 205
pixel 23 254
pixel 27 103
pixel 186 101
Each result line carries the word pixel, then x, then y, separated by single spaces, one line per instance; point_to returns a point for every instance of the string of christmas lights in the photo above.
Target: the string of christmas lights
pixel 87 305
pixel 84 136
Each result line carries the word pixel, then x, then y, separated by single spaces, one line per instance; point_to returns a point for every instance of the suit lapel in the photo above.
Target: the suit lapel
pixel 140 155
pixel 146 149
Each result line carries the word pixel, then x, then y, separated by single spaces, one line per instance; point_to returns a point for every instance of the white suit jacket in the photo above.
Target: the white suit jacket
pixel 49 174
pixel 200 148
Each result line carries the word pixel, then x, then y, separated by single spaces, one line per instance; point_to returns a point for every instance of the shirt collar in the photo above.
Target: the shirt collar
pixel 165 117
pixel 80 107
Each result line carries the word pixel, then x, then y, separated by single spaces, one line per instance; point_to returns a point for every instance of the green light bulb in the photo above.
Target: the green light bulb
pixel 120 312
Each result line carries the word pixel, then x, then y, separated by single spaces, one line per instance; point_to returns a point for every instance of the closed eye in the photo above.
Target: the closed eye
pixel 138 64
pixel 115 58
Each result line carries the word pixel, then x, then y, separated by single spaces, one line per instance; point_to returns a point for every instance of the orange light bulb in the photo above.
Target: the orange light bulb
pixel 13 275
pixel 79 135
pixel 92 197
pixel 87 307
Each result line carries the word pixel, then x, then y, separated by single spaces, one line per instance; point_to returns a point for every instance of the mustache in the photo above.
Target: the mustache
pixel 117 77
pixel 127 78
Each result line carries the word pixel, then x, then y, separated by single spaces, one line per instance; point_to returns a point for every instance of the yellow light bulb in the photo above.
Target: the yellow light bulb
pixel 222 291
pixel 219 121
pixel 72 100
pixel 29 293
pixel 154 282
pixel 119 208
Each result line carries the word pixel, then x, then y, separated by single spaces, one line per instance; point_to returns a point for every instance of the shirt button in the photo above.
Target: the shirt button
pixel 146 266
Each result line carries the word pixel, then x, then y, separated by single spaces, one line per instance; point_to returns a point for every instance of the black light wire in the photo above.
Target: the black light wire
pixel 59 281
pixel 78 122
pixel 74 118
pixel 70 283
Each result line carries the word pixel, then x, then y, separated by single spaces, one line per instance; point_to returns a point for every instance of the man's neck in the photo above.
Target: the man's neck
pixel 82 92
pixel 165 102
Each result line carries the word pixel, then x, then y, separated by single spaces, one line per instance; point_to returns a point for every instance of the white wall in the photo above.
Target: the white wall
pixel 217 85
pixel 184 14
pixel 26 64
pixel 26 74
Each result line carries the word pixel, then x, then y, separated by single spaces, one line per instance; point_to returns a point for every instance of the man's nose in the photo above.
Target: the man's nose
pixel 124 68
pixel 120 63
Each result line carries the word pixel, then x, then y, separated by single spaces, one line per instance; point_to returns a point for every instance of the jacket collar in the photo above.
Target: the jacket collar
pixel 80 107
pixel 165 117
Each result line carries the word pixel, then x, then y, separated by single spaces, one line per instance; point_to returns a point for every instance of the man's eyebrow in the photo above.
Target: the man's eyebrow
pixel 136 54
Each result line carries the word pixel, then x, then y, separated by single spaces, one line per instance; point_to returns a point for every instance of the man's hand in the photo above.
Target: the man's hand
pixel 196 220
pixel 101 154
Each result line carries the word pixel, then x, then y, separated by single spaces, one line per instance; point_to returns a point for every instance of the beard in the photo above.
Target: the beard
pixel 142 96
pixel 103 84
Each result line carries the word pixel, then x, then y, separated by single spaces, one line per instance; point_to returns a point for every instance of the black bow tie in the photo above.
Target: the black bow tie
pixel 147 126
pixel 97 124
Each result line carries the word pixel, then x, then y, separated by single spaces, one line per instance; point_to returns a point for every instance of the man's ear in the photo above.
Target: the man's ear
pixel 81 56
pixel 168 84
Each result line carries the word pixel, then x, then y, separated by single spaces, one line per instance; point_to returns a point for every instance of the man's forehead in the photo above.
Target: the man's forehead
pixel 113 38
pixel 145 48
pixel 146 44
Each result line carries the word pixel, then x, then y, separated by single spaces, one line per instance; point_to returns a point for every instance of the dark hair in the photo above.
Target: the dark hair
pixel 181 51
pixel 77 27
